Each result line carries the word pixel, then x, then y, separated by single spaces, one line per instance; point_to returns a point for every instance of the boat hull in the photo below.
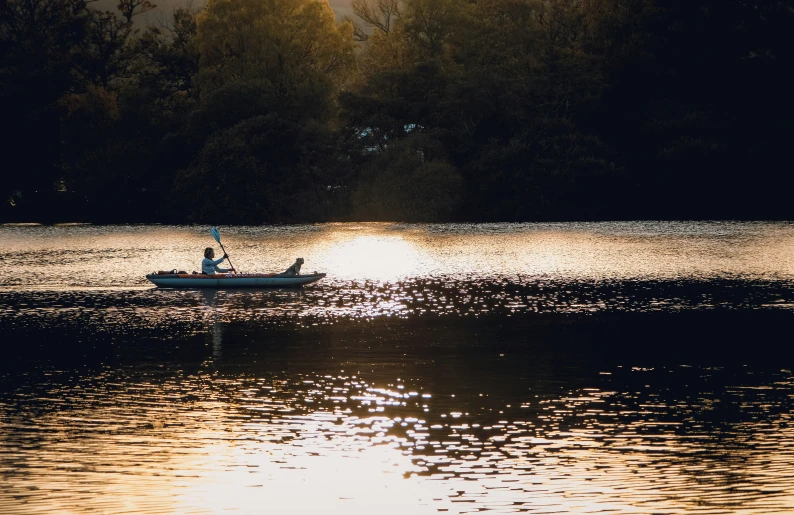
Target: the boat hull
pixel 231 280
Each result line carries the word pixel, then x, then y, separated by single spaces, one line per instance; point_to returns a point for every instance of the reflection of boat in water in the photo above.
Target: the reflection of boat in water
pixel 176 280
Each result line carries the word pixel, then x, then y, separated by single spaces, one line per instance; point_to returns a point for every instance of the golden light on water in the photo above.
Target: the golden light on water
pixel 210 459
pixel 379 257
pixel 153 401
pixel 313 477
pixel 107 257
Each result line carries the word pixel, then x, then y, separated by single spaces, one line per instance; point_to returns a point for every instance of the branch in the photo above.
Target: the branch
pixel 378 15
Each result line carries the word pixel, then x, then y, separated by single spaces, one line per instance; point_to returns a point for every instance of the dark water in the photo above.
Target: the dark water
pixel 561 368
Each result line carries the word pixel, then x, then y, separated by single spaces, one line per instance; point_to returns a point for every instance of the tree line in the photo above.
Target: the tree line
pixel 268 111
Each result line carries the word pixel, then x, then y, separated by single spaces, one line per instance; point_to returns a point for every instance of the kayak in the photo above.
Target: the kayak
pixel 177 280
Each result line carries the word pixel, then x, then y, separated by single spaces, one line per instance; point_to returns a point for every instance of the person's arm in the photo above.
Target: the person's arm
pixel 218 262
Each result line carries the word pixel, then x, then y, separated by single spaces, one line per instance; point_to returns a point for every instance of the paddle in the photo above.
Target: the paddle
pixel 217 235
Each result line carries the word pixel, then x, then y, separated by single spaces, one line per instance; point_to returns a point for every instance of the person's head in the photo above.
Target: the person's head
pixel 209 253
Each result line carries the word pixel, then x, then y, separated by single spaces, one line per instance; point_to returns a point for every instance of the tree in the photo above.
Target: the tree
pixel 287 42
pixel 381 15
pixel 430 23
pixel 109 34
pixel 263 169
pixel 697 95
pixel 263 132
pixel 40 48
pixel 164 63
pixel 411 181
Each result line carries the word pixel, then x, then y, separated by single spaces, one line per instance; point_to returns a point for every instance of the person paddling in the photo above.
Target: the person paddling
pixel 208 266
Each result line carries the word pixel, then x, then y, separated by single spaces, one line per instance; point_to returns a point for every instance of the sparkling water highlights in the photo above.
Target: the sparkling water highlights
pixel 627 368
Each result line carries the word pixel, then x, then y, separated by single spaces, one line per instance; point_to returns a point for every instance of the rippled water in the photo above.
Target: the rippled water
pixel 540 368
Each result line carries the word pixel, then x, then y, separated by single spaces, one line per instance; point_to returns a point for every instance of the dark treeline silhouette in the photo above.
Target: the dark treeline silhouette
pixel 256 111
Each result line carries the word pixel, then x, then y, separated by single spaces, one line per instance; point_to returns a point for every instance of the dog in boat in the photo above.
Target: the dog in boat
pixel 295 269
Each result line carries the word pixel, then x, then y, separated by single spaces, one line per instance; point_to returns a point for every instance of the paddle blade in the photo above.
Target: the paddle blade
pixel 216 234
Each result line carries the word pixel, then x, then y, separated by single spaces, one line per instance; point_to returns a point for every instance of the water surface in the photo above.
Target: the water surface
pixel 539 368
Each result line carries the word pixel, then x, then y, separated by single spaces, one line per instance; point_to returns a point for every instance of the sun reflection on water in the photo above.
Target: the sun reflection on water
pixel 336 444
pixel 113 257
pixel 378 257
pixel 308 476
pixel 153 401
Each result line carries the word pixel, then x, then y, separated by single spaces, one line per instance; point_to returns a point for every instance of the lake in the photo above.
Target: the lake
pixel 628 368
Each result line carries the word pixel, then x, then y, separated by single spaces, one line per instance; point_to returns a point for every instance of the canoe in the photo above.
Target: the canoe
pixel 231 280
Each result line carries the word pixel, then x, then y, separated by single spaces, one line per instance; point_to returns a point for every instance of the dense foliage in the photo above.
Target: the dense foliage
pixel 256 111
